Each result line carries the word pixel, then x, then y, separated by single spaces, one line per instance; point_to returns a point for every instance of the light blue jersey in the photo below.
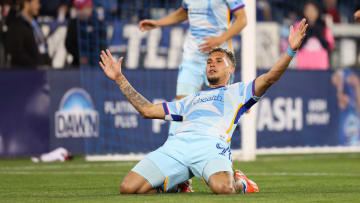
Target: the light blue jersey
pixel 214 112
pixel 201 145
pixel 207 18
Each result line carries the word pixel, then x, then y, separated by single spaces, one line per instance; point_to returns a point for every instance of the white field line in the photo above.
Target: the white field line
pixel 237 153
pixel 67 173
pixel 304 174
pixel 43 166
pixel 120 173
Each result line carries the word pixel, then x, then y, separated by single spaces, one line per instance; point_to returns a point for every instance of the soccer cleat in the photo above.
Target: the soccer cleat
pixel 251 186
pixel 185 187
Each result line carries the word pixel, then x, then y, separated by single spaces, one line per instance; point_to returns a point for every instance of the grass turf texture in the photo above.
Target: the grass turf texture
pixel 287 178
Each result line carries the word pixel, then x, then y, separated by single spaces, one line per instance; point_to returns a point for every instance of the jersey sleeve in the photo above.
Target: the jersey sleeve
pixel 248 90
pixel 247 96
pixel 235 5
pixel 174 111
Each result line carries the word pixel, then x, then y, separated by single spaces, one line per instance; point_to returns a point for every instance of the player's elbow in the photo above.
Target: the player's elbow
pixel 272 77
pixel 245 22
pixel 271 81
pixel 146 113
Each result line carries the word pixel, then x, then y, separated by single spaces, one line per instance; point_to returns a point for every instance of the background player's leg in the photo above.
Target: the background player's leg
pixel 188 82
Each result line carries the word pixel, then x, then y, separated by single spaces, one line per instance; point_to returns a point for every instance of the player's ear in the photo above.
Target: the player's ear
pixel 232 69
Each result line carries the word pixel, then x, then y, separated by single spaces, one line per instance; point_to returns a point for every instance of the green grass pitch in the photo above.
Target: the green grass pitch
pixel 287 178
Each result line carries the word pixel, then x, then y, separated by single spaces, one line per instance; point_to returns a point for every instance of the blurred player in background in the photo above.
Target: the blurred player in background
pixel 200 147
pixel 210 26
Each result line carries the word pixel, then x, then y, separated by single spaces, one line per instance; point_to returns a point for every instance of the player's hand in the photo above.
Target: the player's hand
pixel 296 37
pixel 210 42
pixel 357 16
pixel 111 68
pixel 147 24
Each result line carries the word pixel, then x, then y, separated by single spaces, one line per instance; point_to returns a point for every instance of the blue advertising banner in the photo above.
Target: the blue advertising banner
pixel 302 109
pixel 89 114
pixel 347 84
pixel 122 129
pixel 311 108
pixel 67 102
pixel 24 113
pixel 299 110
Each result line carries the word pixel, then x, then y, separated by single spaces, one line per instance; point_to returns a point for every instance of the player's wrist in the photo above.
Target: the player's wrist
pixel 119 79
pixel 158 23
pixel 222 39
pixel 291 52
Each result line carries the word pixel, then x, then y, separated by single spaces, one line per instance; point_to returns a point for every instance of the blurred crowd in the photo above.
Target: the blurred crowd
pixel 333 11
pixel 23 44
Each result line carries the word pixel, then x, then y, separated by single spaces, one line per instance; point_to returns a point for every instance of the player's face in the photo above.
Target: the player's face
pixel 34 7
pixel 218 69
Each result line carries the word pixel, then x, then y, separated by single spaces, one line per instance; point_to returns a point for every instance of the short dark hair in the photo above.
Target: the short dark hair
pixel 228 54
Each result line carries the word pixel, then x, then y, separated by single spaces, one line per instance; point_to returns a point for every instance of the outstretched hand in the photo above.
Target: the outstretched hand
pixel 296 37
pixel 111 68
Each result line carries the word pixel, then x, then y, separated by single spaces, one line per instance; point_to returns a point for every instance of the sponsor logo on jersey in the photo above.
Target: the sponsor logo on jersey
pixel 208 98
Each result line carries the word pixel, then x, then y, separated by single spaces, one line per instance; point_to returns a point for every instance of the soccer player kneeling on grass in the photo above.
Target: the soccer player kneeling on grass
pixel 200 146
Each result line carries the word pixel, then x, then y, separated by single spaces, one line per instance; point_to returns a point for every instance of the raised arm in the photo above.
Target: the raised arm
pixel 236 27
pixel 264 81
pixel 176 17
pixel 112 69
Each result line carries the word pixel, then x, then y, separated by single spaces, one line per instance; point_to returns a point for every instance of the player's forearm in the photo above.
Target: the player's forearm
pixel 279 68
pixel 238 25
pixel 140 103
pixel 265 81
pixel 176 17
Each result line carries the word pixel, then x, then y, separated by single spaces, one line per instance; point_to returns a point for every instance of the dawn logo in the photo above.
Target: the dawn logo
pixel 76 116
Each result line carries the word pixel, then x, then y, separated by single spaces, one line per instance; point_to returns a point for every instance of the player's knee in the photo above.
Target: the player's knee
pixel 223 189
pixel 127 189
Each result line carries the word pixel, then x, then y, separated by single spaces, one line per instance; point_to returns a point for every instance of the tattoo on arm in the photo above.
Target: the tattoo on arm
pixel 135 98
